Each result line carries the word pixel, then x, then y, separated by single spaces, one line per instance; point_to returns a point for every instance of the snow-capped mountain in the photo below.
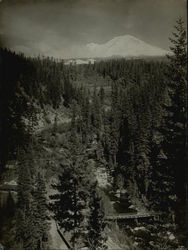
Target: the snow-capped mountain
pixel 126 46
pixel 120 46
pixel 79 61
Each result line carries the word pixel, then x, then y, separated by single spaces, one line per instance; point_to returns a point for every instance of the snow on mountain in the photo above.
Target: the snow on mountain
pixel 79 61
pixel 126 46
pixel 121 46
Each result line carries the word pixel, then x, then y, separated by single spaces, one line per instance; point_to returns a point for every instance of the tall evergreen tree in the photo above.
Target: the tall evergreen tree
pixel 68 204
pixel 96 111
pixel 31 214
pixel 96 223
pixel 175 131
pixel 42 211
pixel 25 214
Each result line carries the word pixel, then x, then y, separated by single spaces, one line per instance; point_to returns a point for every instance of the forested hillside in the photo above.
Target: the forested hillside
pixel 127 118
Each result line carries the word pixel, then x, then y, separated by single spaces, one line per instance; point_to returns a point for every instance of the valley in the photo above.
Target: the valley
pixel 93 150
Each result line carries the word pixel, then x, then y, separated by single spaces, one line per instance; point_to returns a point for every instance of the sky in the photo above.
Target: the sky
pixel 61 28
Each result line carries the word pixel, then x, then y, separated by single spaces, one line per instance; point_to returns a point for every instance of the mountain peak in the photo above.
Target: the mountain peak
pixel 126 46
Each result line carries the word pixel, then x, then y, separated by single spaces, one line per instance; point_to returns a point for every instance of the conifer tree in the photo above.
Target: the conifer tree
pixel 69 202
pixel 25 214
pixel 96 111
pixel 102 95
pixel 96 223
pixel 31 214
pixel 174 130
pixel 42 211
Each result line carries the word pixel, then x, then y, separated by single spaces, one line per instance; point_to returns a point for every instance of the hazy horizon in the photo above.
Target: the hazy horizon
pixel 62 28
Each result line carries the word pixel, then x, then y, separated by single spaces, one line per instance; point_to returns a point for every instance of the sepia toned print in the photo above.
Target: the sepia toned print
pixel 93 125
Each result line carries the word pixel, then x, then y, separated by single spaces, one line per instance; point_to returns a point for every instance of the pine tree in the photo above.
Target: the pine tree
pixel 31 214
pixel 96 111
pixel 42 210
pixel 68 204
pixel 25 218
pixel 102 95
pixel 113 131
pixel 96 223
pixel 174 130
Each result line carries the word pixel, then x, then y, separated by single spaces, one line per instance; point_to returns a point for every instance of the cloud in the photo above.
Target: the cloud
pixel 63 27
